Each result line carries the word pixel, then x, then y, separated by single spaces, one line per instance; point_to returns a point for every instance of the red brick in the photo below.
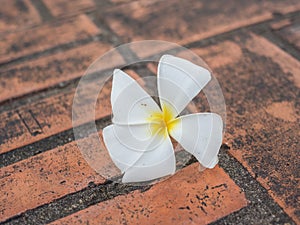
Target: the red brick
pixel 215 56
pixel 280 24
pixel 43 178
pixel 292 34
pixel 44 72
pixel 279 119
pixel 187 21
pixel 25 42
pixel 17 15
pixel 189 197
pixel 260 83
pixel 289 65
pixel 52 115
pixel 62 7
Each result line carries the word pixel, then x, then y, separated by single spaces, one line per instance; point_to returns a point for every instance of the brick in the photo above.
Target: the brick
pixel 189 197
pixel 292 33
pixel 288 64
pixel 215 55
pixel 41 38
pixel 52 115
pixel 188 21
pixel 260 83
pixel 43 178
pixel 44 72
pixel 17 14
pixel 62 7
pixel 280 24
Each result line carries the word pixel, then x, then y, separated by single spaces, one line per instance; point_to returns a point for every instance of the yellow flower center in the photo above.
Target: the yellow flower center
pixel 162 122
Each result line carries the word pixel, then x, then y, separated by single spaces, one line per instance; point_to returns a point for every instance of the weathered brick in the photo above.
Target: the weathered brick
pixel 189 197
pixel 215 56
pixel 260 83
pixel 292 33
pixel 188 21
pixel 280 24
pixel 52 115
pixel 43 178
pixel 44 72
pixel 62 7
pixel 26 42
pixel 16 14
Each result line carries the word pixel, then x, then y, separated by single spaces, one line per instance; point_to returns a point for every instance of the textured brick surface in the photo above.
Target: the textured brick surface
pixel 51 115
pixel 25 42
pixel 62 7
pixel 262 98
pixel 189 197
pixel 45 46
pixel 280 24
pixel 16 14
pixel 43 178
pixel 292 34
pixel 189 20
pixel 47 71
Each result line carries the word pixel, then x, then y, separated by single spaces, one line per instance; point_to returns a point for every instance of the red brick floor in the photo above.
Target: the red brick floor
pixel 253 48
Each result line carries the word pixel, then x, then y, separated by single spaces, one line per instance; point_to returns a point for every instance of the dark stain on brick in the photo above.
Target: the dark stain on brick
pixel 40 74
pixel 220 186
pixel 291 34
pixel 178 20
pixel 10 128
pixel 21 6
pixel 255 82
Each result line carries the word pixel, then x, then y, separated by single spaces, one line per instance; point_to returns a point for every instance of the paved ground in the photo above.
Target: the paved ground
pixel 253 47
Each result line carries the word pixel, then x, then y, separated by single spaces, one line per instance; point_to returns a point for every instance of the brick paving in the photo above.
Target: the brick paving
pixel 253 47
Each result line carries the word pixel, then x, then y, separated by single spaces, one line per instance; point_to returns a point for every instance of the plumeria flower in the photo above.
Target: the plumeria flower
pixel 139 140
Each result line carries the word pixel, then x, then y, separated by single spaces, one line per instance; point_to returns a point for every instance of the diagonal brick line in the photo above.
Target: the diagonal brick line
pixel 260 202
pixel 257 28
pixel 262 194
pixel 48 143
pixel 263 208
pixel 72 203
pixel 50 51
pixel 206 42
pixel 43 10
pixel 201 43
pixel 14 50
pixel 282 43
pixel 53 141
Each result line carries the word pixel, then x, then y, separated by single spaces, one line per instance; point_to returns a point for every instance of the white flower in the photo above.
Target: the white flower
pixel 139 141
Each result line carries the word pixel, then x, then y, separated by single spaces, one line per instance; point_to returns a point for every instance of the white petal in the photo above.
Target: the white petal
pixel 131 104
pixel 129 145
pixel 153 164
pixel 201 135
pixel 119 153
pixel 179 81
pixel 138 137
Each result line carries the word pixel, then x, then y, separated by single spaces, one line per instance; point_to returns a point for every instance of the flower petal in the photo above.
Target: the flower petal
pixel 119 153
pixel 131 104
pixel 130 145
pixel 179 81
pixel 201 135
pixel 153 164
